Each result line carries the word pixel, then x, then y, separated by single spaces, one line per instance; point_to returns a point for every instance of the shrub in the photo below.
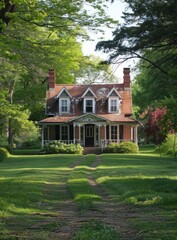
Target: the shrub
pixel 56 147
pixel 4 154
pixel 128 147
pixel 170 145
pixel 124 147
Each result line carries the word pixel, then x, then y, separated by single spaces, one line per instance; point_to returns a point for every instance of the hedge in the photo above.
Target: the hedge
pixel 123 147
pixel 55 147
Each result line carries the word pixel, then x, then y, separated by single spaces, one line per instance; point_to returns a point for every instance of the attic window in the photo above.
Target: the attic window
pixel 114 104
pixel 64 105
pixel 89 105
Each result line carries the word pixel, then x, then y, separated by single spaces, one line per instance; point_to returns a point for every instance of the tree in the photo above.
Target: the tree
pixel 152 85
pixel 148 25
pixel 14 118
pixel 91 72
pixel 154 127
pixel 35 35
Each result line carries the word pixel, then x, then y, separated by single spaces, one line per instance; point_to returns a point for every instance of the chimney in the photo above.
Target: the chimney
pixel 126 78
pixel 51 80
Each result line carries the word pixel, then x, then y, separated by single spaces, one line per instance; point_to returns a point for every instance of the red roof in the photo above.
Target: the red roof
pixel 107 117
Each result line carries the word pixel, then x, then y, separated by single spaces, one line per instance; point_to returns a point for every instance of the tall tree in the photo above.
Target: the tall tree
pixel 92 72
pixel 148 25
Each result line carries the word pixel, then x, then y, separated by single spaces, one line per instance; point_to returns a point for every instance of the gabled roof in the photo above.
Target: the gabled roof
pixel 61 92
pixel 88 115
pixel 116 118
pixel 113 90
pixel 88 90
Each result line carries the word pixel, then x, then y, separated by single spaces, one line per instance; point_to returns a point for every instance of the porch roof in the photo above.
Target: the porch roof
pixel 119 118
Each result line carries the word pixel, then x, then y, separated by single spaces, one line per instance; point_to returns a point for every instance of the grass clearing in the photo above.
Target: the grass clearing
pixel 96 231
pixel 79 186
pixel 34 186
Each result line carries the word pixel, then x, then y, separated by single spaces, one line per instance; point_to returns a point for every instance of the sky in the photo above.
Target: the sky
pixel 115 10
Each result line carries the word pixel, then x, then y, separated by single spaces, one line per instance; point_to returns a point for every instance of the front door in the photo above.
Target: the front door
pixel 89 135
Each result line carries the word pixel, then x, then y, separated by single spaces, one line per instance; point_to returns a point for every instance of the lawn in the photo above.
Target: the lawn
pixel 88 197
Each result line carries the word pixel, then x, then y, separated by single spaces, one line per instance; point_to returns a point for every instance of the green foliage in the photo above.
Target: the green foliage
pixel 55 147
pixel 96 231
pixel 4 154
pixel 169 146
pixel 123 147
pixel 147 25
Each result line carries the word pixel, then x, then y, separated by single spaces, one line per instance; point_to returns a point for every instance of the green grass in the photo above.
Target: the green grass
pixel 30 194
pixel 96 231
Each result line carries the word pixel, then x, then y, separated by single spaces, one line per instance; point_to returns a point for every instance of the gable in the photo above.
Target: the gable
pixel 89 118
pixel 113 93
pixel 88 93
pixel 63 93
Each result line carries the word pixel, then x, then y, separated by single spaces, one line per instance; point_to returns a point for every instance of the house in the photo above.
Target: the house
pixel 92 115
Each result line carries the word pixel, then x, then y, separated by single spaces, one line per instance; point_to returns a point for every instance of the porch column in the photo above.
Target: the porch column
pixel 109 133
pixel 99 137
pixel 105 133
pixel 79 135
pixel 118 140
pixel 74 133
pixel 42 135
pixel 135 135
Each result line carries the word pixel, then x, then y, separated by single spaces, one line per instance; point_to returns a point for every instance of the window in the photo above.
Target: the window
pixel 97 134
pixel 89 105
pixel 113 105
pixel 64 132
pixel 64 104
pixel 114 132
pixel 89 131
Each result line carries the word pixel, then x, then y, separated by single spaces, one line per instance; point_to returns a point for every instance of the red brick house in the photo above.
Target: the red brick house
pixel 92 115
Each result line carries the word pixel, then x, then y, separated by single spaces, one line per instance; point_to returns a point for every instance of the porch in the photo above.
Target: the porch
pixel 89 135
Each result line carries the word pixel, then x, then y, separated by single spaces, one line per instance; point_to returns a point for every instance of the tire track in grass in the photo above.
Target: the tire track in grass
pixel 114 215
pixel 62 225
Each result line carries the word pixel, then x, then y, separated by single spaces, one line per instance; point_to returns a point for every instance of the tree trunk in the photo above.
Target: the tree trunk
pixel 10 129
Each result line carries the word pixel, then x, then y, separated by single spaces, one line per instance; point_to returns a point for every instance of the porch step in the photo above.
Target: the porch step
pixel 90 150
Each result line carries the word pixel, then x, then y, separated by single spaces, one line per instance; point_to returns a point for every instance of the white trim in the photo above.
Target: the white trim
pixel 117 105
pixel 89 89
pixel 113 89
pixel 62 90
pixel 68 105
pixel 93 104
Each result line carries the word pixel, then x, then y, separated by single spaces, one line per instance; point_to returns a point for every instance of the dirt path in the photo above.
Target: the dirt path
pixel 69 219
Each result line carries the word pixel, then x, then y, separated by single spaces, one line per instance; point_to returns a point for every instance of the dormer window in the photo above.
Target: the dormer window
pixel 114 101
pixel 64 105
pixel 64 99
pixel 113 105
pixel 88 105
pixel 89 101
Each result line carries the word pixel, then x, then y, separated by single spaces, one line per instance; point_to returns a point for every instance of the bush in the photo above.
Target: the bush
pixel 123 147
pixel 170 145
pixel 4 154
pixel 56 147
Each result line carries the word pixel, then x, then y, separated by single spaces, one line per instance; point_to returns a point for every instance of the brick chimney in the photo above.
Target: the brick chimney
pixel 126 78
pixel 51 80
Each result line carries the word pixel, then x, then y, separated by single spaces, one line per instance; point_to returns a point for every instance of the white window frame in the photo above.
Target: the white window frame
pixel 117 105
pixel 93 104
pixel 68 105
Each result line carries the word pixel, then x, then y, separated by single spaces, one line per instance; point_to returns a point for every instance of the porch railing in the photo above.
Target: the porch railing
pixel 45 142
